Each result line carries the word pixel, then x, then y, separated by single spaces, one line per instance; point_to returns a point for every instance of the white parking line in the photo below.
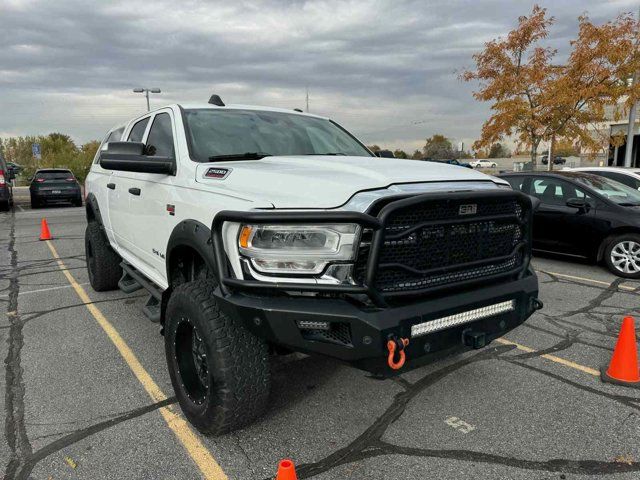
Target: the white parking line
pixel 202 457
pixel 553 358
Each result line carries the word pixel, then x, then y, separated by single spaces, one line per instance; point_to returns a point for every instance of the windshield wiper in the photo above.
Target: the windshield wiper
pixel 629 204
pixel 240 156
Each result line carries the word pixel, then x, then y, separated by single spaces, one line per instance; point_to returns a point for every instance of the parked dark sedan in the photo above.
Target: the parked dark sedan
pixel 6 188
pixel 585 215
pixel 54 185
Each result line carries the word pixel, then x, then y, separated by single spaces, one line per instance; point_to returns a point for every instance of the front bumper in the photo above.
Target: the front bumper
pixel 363 334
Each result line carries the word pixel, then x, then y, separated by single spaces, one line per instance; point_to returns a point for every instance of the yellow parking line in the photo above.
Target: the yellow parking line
pixel 553 358
pixel 589 280
pixel 192 444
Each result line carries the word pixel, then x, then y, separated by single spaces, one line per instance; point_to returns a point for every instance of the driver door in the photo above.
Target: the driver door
pixel 558 227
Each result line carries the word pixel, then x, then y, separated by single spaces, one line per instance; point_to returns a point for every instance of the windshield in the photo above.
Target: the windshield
pixel 217 132
pixel 614 191
pixel 55 175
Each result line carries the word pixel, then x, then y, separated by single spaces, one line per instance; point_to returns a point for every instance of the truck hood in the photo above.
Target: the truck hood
pixel 309 182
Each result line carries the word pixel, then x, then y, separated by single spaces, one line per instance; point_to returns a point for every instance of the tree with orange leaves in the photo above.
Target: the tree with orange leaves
pixel 537 100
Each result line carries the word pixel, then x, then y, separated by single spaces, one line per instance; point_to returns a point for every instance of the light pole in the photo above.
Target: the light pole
pixel 147 91
pixel 628 152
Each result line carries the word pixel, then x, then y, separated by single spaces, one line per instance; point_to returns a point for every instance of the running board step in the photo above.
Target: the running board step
pixel 152 309
pixel 132 280
pixel 127 283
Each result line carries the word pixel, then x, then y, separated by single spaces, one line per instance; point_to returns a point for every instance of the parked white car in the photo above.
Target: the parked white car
pixel 483 164
pixel 626 176
pixel 259 231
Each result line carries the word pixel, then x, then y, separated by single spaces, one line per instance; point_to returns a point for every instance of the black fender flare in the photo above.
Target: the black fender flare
pixel 193 234
pixel 93 209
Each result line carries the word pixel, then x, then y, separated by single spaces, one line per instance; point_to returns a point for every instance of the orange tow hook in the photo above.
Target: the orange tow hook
pixel 400 344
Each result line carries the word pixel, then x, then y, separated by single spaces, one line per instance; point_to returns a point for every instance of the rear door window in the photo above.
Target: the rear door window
pixel 137 132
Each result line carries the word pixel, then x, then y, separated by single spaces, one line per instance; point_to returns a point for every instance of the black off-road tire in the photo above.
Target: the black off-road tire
pixel 34 203
pixel 103 263
pixel 4 206
pixel 232 389
pixel 629 239
pixel 77 202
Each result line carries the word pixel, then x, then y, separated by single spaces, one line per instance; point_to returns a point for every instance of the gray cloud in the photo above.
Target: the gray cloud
pixel 387 70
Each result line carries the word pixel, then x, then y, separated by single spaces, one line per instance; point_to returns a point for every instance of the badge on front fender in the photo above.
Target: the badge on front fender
pixel 217 173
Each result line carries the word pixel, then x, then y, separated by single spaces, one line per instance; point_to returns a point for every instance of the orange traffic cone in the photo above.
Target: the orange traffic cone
pixel 286 470
pixel 45 234
pixel 623 369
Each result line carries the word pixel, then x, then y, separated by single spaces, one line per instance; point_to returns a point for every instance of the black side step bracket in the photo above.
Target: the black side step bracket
pixel 132 280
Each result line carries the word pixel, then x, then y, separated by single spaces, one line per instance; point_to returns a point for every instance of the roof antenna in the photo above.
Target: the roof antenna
pixel 216 100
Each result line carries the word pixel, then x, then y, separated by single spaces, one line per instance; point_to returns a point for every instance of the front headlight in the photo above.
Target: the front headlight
pixel 297 249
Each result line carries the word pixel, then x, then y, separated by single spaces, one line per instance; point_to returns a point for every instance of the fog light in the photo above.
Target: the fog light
pixel 313 325
pixel 462 318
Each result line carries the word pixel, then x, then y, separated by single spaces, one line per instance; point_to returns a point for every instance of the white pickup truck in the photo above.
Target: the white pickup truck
pixel 260 231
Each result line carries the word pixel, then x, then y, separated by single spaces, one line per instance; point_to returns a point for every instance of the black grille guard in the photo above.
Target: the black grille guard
pixel 376 224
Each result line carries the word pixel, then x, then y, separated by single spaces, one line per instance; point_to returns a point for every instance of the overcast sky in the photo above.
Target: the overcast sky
pixel 386 70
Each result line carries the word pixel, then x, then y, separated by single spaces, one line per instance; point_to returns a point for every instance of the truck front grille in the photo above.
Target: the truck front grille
pixel 439 243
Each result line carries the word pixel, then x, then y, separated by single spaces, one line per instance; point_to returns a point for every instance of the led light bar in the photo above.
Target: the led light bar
pixel 461 318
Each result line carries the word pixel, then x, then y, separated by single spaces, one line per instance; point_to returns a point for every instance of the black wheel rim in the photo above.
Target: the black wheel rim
pixel 191 358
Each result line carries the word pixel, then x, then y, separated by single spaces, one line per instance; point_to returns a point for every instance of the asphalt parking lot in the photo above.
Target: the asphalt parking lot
pixel 87 394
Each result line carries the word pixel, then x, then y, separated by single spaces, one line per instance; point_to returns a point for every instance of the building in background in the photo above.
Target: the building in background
pixel 616 128
pixel 617 153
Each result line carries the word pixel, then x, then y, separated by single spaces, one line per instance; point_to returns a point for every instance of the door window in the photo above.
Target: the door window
pixel 160 139
pixel 137 132
pixel 553 191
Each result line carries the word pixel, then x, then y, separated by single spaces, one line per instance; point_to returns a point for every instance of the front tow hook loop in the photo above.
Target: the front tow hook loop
pixel 398 344
pixel 536 304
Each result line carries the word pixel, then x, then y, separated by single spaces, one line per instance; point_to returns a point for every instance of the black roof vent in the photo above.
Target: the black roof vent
pixel 216 100
pixel 297 110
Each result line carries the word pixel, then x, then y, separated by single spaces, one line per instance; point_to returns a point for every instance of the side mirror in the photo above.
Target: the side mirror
pixel 385 154
pixel 130 157
pixel 579 203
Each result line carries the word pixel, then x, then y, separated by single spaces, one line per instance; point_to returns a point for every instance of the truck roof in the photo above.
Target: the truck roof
pixel 209 106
